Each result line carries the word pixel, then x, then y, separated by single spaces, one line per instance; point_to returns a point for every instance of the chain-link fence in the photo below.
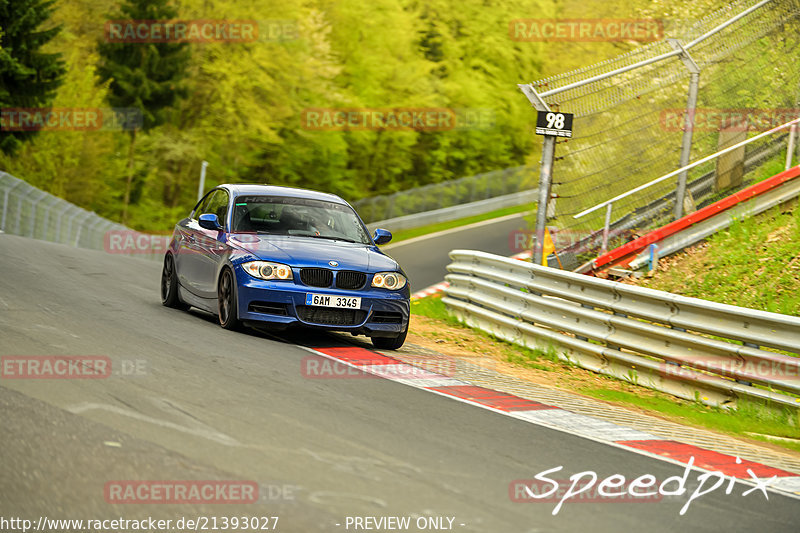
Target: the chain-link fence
pixel 629 128
pixel 446 194
pixel 31 212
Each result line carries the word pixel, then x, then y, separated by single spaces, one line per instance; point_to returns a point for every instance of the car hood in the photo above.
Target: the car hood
pixel 311 252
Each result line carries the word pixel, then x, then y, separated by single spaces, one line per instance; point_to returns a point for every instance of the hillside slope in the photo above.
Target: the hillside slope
pixel 755 263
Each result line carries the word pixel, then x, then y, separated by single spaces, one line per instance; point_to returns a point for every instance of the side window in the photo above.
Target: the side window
pixel 218 205
pixel 200 208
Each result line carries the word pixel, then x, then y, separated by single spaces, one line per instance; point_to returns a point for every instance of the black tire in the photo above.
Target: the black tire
pixel 169 285
pixel 390 343
pixel 226 296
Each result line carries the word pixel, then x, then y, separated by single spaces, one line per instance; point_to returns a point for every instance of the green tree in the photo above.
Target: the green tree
pixel 29 77
pixel 146 76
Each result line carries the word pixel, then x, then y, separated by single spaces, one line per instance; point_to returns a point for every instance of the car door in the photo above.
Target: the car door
pixel 187 260
pixel 211 246
pixel 203 249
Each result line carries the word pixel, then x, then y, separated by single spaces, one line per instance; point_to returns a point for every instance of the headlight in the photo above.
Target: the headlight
pixel 389 280
pixel 267 270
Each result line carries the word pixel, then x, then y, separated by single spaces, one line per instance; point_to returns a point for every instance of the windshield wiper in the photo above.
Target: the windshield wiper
pixel 331 238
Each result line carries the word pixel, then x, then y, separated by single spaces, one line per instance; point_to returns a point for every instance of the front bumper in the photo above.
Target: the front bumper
pixel 281 304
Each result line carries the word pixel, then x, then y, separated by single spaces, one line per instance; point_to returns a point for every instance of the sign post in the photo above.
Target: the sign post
pixel 554 124
pixel 551 125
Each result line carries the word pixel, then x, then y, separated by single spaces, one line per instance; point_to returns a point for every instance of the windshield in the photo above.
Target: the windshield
pixel 275 215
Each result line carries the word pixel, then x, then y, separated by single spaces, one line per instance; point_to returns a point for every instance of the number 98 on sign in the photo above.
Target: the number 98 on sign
pixel 553 123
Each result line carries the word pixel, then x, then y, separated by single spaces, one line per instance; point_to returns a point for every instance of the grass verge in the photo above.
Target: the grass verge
pixel 755 263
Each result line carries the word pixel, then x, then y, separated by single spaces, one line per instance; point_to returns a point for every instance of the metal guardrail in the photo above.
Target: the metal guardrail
pixel 687 347
pixel 36 214
pixel 701 230
pixel 659 210
pixel 456 212
pixel 436 196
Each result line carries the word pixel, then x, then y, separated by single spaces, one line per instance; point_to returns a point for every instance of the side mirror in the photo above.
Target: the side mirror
pixel 210 221
pixel 382 236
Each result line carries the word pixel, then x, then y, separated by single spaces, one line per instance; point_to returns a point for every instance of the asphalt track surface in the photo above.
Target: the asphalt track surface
pixel 425 259
pixel 211 404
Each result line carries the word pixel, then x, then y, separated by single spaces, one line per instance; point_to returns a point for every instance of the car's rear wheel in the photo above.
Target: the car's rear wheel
pixel 226 295
pixel 390 343
pixel 169 285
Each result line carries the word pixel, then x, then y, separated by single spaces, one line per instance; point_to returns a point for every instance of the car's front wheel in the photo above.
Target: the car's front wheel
pixel 226 295
pixel 169 285
pixel 390 343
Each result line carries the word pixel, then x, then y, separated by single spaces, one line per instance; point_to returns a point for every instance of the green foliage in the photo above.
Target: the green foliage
pixel 145 76
pixel 433 307
pixel 244 101
pixel 29 77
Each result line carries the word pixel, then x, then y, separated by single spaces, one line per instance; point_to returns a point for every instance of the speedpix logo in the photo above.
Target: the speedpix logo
pixel 588 487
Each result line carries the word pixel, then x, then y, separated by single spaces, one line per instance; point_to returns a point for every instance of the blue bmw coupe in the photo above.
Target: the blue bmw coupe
pixel 279 257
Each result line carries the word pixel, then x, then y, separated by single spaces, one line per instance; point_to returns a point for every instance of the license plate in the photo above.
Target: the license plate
pixel 331 300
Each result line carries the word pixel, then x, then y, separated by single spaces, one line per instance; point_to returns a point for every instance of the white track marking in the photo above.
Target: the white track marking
pixel 193 428
pixel 455 230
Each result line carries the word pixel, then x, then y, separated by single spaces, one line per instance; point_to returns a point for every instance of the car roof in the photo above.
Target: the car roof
pixel 238 189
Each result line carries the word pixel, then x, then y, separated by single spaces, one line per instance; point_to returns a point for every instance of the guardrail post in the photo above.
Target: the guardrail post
pixel 653 256
pixel 688 127
pixel 790 148
pixel 545 175
pixel 750 345
pixel 581 337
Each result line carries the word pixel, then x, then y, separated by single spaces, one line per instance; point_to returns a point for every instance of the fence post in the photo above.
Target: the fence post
pixel 18 221
pixel 59 227
pixel 5 204
pixel 790 148
pixel 202 184
pixel 34 203
pixel 545 174
pixel 71 222
pixel 49 207
pixel 80 227
pixel 92 229
pixel 688 127
pixel 606 227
